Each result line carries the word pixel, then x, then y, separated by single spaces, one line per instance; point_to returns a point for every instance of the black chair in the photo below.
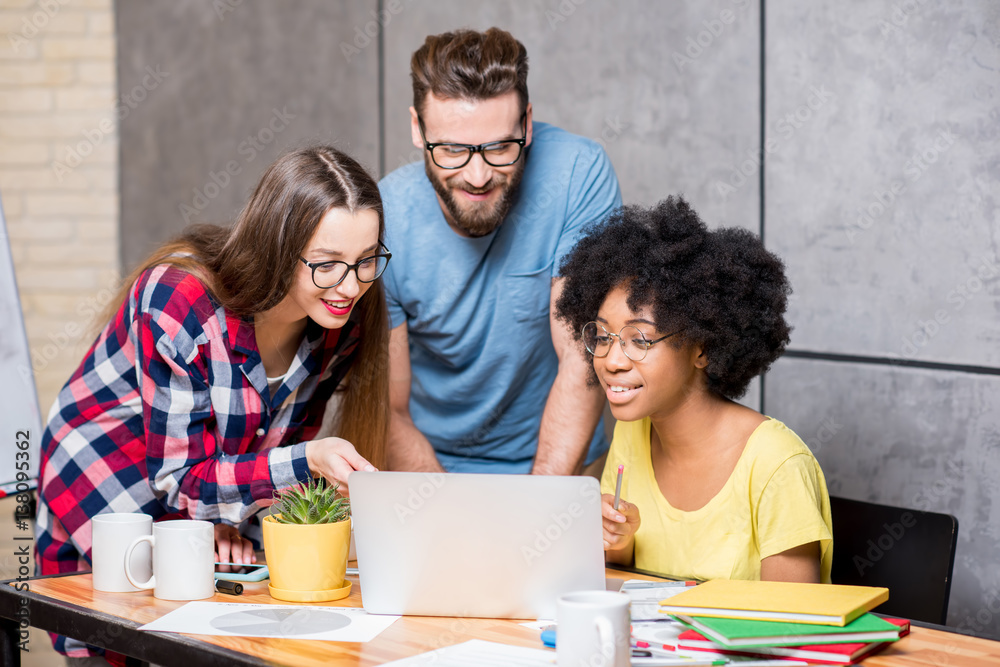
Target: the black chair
pixel 910 552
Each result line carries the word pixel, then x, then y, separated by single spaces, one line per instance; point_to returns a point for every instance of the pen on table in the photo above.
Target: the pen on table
pixel 654 648
pixel 665 653
pixel 618 486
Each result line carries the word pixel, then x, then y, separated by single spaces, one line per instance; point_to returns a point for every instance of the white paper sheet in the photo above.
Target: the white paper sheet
pixel 539 625
pixel 340 624
pixel 658 634
pixel 479 653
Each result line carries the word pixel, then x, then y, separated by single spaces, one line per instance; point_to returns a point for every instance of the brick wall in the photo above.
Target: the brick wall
pixel 59 172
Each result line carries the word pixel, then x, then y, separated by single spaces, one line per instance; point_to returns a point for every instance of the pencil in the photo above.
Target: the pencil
pixel 618 486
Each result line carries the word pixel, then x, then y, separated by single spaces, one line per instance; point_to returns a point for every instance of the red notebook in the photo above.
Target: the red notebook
pixel 828 654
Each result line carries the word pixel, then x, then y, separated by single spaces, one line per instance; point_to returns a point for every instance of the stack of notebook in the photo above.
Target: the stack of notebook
pixel 818 623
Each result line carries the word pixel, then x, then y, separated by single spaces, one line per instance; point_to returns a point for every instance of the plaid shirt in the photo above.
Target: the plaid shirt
pixel 170 414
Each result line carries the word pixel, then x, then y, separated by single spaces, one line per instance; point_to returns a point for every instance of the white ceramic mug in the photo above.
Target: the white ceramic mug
pixel 593 629
pixel 183 560
pixel 112 535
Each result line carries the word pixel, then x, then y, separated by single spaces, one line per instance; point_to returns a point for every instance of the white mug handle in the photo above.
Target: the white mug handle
pixel 128 563
pixel 606 635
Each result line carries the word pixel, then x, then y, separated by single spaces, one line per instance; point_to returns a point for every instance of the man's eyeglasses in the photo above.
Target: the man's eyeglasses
pixel 330 274
pixel 634 343
pixel 495 153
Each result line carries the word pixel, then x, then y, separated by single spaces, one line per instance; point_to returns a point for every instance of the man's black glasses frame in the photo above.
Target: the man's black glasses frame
pixel 482 149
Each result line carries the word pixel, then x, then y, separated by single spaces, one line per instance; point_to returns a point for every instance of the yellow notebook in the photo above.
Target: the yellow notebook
pixel 822 604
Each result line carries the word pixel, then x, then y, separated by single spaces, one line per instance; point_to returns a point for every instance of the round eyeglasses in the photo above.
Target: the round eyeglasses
pixel 634 343
pixel 330 274
pixel 495 153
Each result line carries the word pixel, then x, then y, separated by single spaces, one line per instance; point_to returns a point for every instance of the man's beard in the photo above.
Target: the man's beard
pixel 480 218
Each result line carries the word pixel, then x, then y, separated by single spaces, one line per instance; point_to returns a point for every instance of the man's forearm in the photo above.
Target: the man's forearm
pixel 409 449
pixel 571 414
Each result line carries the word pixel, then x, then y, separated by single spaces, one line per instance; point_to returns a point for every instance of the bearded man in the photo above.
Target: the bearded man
pixel 482 376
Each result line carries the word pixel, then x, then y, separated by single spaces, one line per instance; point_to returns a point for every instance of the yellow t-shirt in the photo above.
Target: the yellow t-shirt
pixel 775 499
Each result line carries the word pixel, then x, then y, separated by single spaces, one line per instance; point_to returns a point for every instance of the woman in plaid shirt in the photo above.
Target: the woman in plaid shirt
pixel 205 391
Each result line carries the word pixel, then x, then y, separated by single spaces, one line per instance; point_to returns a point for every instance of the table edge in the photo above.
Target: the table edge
pixel 72 620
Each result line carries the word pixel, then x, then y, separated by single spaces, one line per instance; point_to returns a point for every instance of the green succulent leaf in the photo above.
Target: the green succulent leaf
pixel 313 502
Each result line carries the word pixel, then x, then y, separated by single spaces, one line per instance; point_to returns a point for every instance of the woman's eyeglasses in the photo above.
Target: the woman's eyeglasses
pixel 330 274
pixel 634 343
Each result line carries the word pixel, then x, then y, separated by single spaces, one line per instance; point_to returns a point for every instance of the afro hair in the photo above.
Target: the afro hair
pixel 721 289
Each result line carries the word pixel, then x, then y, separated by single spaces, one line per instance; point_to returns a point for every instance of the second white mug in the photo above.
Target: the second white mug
pixel 183 560
pixel 592 629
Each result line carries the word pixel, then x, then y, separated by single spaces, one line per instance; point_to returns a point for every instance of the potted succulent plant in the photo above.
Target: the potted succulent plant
pixel 307 536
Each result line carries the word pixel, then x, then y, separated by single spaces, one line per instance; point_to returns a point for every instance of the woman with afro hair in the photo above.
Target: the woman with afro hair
pixel 678 320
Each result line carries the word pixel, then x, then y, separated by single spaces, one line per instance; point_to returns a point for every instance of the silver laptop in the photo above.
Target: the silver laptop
pixel 472 545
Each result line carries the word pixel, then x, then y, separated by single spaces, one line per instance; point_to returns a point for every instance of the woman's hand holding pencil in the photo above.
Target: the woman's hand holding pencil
pixel 621 520
pixel 620 524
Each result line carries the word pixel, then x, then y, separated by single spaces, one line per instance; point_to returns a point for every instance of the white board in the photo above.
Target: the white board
pixel 20 421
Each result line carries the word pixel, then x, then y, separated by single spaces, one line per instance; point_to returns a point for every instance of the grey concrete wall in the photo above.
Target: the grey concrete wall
pixel 883 196
pixel 909 116
pixel 244 82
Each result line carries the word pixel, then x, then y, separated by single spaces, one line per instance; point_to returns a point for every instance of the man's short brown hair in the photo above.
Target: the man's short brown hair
pixel 472 65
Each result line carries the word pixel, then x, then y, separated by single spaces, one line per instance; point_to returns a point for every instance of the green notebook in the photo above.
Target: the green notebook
pixel 746 633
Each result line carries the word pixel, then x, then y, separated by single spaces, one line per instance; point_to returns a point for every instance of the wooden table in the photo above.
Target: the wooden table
pixel 70 606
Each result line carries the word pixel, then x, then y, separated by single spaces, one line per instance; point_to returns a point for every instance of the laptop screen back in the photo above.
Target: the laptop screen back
pixel 473 545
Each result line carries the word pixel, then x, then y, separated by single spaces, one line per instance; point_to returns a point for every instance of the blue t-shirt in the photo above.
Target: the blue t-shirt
pixel 477 309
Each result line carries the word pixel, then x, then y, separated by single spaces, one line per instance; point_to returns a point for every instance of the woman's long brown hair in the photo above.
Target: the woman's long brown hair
pixel 249 268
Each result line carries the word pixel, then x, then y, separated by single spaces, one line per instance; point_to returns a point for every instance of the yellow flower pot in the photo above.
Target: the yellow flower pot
pixel 307 562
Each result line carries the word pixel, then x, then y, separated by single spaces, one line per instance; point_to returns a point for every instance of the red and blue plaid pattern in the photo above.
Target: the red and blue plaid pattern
pixel 170 414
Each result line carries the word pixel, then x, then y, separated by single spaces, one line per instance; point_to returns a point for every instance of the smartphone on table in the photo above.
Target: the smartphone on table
pixel 241 571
